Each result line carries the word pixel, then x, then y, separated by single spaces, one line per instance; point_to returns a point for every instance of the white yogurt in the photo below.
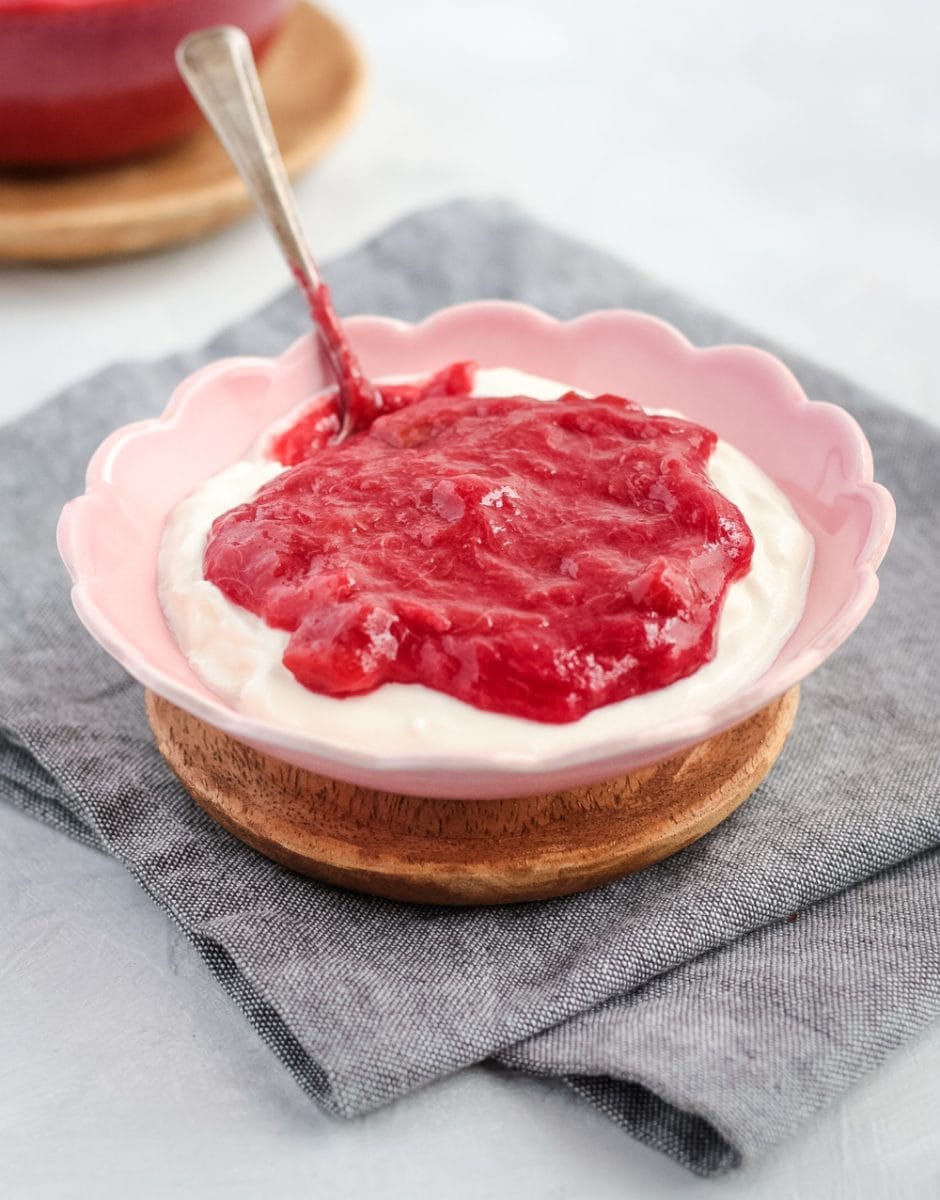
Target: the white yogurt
pixel 239 656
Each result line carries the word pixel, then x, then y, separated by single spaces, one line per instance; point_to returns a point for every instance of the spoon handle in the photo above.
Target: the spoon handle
pixel 219 70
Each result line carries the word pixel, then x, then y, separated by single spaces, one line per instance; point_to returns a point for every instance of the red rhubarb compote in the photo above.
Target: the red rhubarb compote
pixel 534 558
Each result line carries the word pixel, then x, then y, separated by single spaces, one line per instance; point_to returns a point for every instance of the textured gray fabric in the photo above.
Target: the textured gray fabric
pixel 686 1001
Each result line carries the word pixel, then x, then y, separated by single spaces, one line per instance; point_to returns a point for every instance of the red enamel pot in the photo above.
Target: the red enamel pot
pixel 83 81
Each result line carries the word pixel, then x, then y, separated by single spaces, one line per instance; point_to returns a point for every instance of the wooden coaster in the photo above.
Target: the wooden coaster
pixel 469 851
pixel 313 81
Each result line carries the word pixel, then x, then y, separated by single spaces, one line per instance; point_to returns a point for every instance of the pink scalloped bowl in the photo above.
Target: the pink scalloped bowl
pixel 109 537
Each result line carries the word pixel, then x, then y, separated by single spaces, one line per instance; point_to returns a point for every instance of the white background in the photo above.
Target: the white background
pixel 778 161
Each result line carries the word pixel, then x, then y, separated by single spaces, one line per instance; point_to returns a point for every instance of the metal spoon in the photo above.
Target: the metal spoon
pixel 219 70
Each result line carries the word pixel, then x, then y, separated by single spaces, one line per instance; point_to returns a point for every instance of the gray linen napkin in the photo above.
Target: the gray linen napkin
pixel 709 1004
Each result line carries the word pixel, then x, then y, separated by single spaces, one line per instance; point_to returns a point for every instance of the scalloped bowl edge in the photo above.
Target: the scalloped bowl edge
pixel 599 345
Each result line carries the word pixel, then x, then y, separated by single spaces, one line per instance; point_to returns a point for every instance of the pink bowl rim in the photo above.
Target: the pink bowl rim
pixel 683 731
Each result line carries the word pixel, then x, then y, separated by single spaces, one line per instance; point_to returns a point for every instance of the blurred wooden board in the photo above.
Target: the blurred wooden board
pixel 313 81
pixel 437 851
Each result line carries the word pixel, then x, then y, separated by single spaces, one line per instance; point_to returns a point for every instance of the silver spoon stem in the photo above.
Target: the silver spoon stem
pixel 219 70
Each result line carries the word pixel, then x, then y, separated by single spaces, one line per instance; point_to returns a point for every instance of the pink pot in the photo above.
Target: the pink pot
pixel 82 81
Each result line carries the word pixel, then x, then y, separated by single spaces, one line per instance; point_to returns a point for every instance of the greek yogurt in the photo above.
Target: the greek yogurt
pixel 239 656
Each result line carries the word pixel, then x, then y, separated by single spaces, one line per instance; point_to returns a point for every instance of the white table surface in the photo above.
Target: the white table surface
pixel 779 162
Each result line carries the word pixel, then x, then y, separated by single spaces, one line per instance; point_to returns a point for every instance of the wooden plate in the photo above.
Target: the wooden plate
pixel 313 82
pixel 469 851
